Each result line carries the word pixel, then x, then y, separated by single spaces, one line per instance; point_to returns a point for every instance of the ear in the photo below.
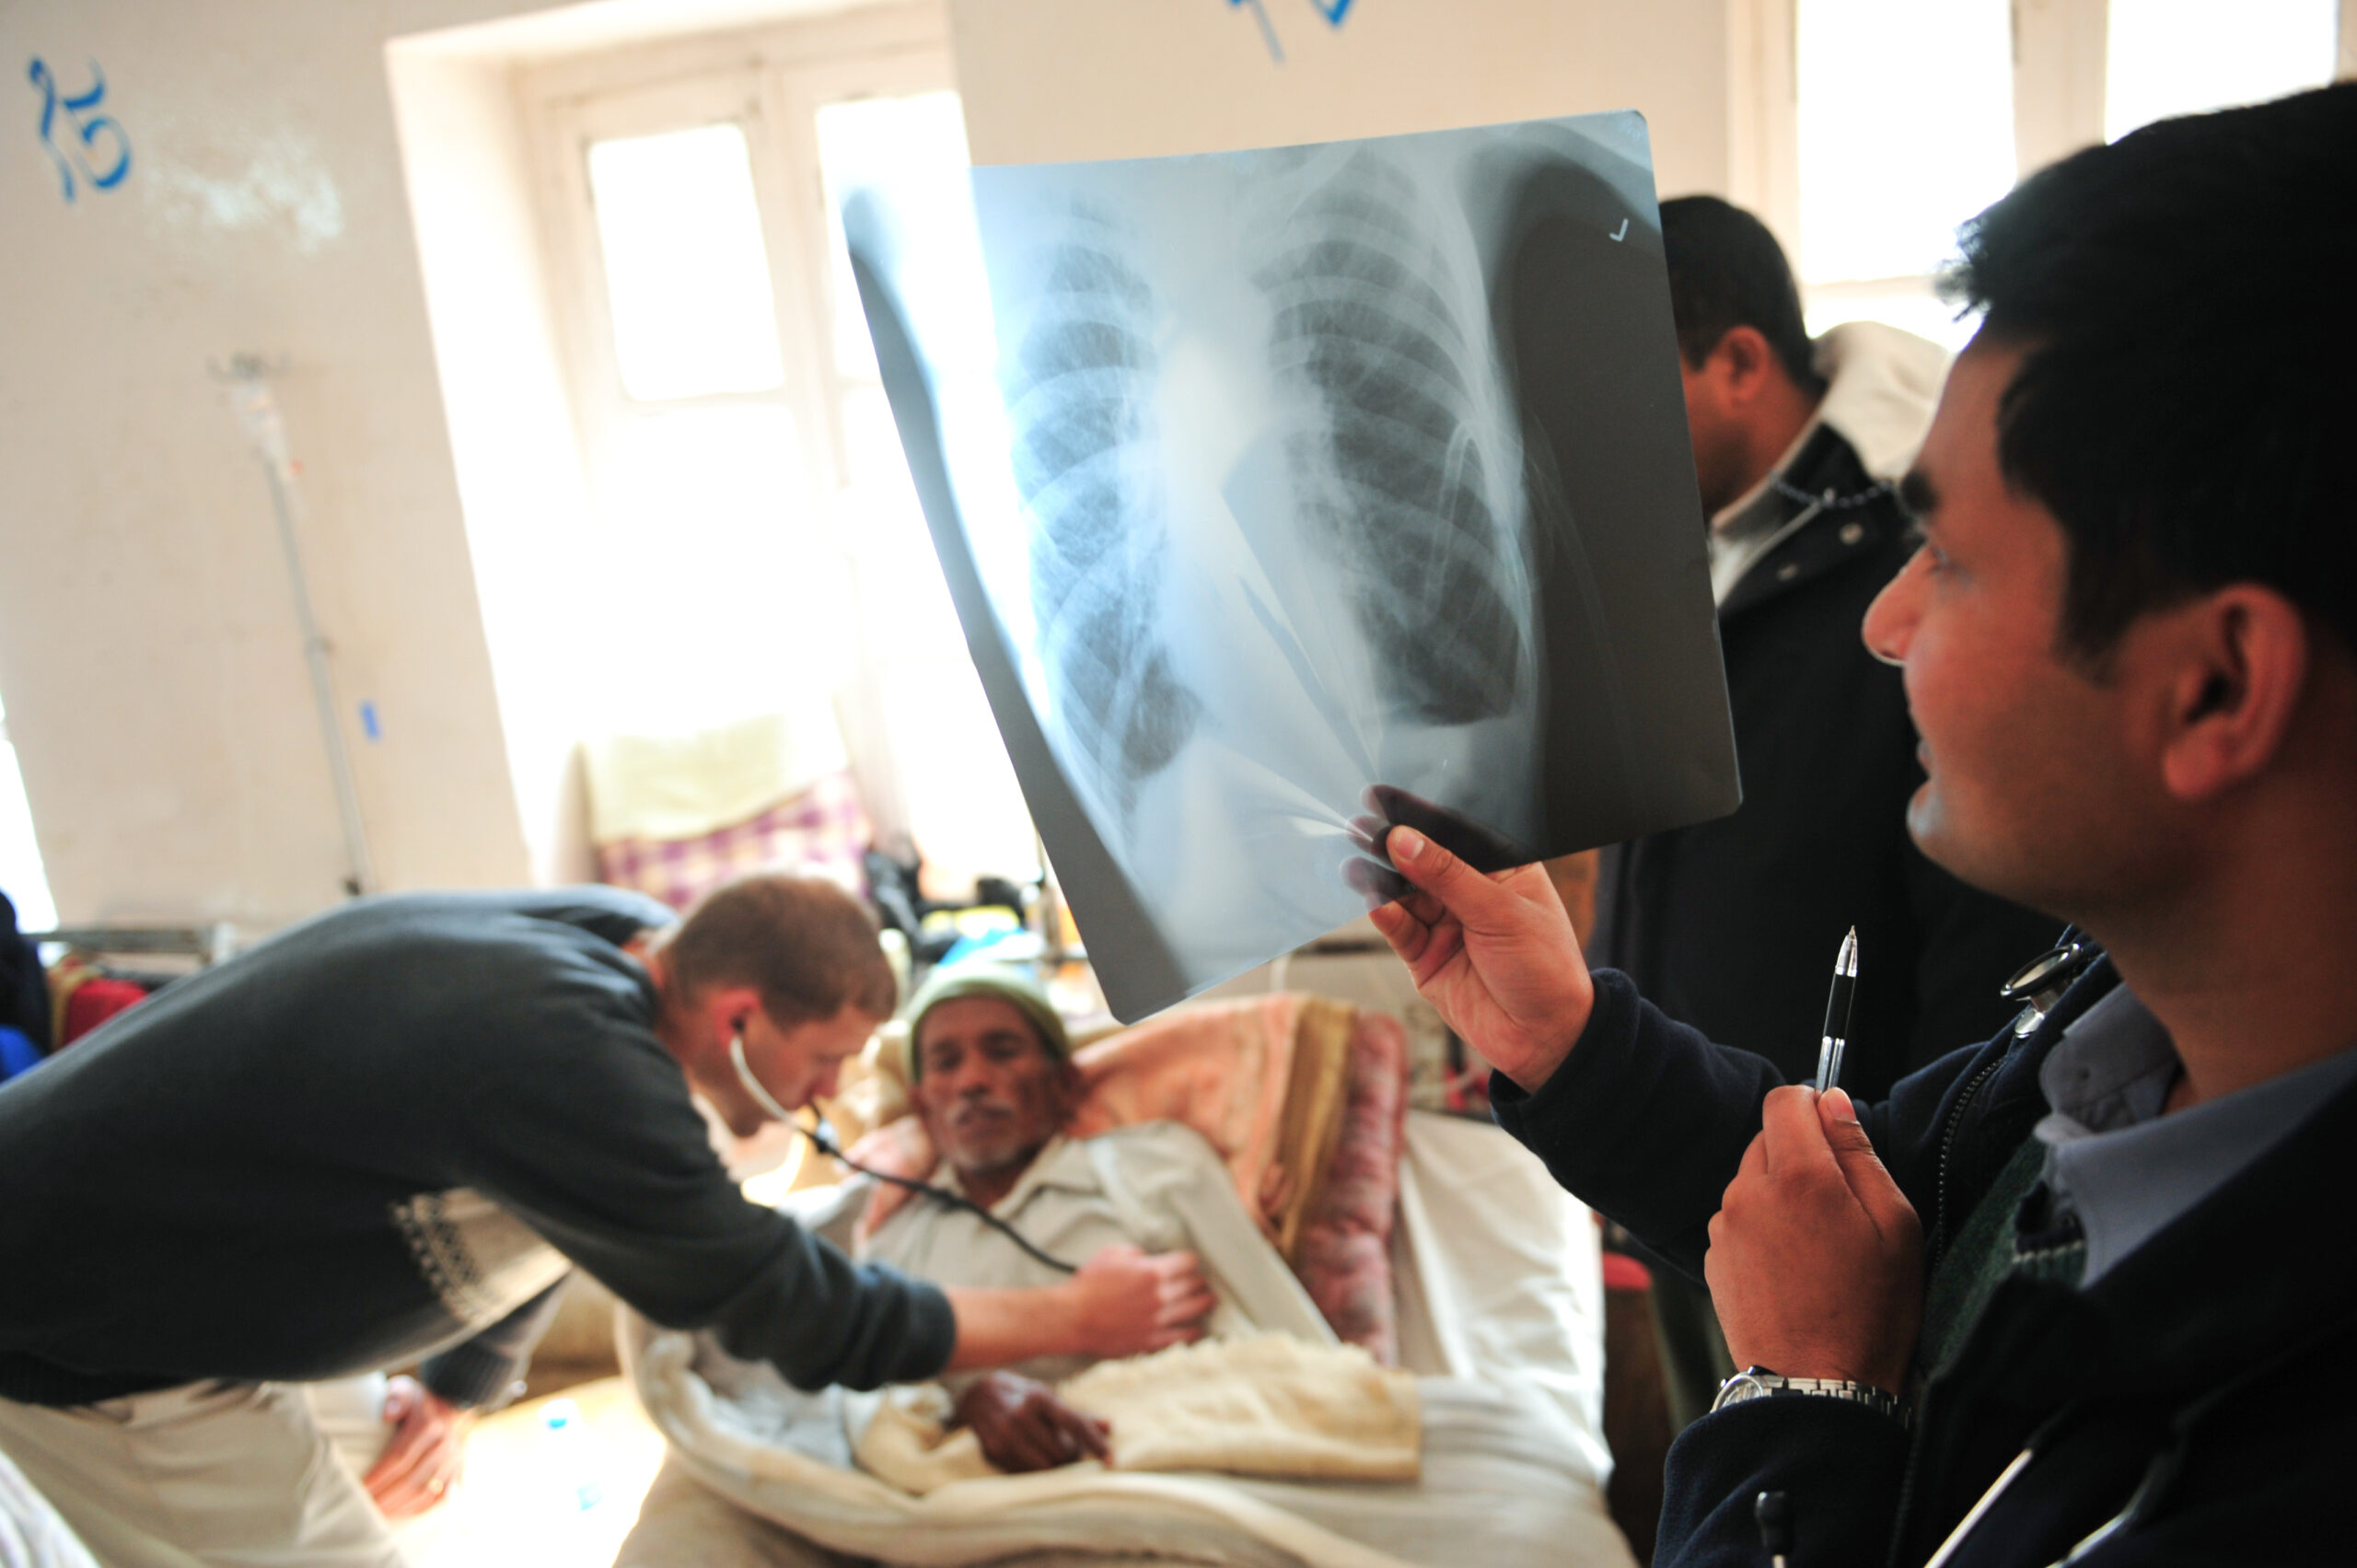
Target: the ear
pixel 726 1007
pixel 1744 361
pixel 2241 673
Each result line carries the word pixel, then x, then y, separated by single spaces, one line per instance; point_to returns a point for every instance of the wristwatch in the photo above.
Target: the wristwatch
pixel 1758 1383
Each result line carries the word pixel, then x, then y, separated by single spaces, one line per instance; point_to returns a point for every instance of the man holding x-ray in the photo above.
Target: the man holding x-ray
pixel 2064 1295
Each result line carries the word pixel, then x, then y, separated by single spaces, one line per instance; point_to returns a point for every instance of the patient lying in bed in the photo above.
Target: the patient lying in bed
pixel 1479 1471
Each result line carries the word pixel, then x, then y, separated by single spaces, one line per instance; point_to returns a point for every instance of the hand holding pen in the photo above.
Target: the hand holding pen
pixel 1816 1257
pixel 1816 1262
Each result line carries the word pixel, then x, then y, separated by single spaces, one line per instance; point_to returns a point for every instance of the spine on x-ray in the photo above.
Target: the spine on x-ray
pixel 1081 402
pixel 1403 473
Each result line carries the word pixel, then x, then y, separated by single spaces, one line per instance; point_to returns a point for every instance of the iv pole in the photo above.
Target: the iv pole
pixel 258 416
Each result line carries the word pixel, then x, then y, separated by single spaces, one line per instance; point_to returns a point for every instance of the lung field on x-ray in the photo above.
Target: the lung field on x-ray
pixel 1395 477
pixel 1082 401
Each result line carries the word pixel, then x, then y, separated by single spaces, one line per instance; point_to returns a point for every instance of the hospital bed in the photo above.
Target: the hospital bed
pixel 1492 1296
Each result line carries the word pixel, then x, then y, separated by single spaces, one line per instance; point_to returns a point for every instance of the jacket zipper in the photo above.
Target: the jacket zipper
pixel 1947 1150
pixel 1931 1258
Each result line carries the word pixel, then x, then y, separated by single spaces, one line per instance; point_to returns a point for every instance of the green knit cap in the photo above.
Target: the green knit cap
pixel 998 982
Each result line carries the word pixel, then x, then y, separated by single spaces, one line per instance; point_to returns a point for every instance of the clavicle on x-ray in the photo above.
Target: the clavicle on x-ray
pixel 1289 494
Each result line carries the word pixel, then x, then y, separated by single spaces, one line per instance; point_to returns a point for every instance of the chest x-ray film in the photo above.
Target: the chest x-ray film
pixel 1286 495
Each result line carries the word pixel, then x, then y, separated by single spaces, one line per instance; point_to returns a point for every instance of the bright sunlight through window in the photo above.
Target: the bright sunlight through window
pixel 918 139
pixel 21 876
pixel 686 272
pixel 2185 56
pixel 1906 130
pixel 864 142
pixel 971 814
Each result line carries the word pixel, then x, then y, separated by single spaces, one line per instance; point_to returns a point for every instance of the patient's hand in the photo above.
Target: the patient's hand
pixel 423 1455
pixel 1024 1426
pixel 1126 1302
pixel 1817 1260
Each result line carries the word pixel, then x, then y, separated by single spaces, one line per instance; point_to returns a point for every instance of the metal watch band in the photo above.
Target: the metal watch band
pixel 1758 1383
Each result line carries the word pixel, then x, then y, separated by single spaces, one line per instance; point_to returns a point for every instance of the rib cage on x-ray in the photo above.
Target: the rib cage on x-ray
pixel 1279 487
pixel 1399 470
pixel 1395 476
pixel 1081 401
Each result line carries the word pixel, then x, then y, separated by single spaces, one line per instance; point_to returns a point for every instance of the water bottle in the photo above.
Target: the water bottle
pixel 567 1446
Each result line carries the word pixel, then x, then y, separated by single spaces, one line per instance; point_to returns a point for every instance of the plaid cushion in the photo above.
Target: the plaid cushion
pixel 818 832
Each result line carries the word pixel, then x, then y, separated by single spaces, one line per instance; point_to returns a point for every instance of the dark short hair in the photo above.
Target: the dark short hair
pixel 807 945
pixel 2184 406
pixel 1726 271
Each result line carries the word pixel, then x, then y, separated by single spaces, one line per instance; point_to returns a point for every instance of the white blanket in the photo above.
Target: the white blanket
pixel 1269 1405
pixel 1501 1310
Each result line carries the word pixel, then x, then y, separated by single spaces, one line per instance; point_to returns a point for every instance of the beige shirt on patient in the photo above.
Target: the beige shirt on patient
pixel 1156 1186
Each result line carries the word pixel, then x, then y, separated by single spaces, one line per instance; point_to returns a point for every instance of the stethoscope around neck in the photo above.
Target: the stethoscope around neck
pixel 2039 983
pixel 822 1139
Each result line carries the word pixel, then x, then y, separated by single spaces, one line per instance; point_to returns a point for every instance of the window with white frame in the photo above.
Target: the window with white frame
pixel 1867 129
pixel 746 474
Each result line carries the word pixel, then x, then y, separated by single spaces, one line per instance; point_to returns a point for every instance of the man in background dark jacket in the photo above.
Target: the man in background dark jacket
pixel 1731 926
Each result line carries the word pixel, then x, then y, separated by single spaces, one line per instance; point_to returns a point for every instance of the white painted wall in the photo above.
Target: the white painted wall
pixel 512 439
pixel 149 662
pixel 1048 80
pixel 148 653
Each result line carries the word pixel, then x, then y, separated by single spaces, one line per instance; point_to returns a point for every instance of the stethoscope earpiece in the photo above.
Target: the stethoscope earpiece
pixel 761 1096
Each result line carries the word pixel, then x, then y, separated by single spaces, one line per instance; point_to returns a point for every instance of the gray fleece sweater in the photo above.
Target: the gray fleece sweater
pixel 384 1135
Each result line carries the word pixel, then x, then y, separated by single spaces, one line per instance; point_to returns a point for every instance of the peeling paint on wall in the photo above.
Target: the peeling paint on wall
pixel 276 179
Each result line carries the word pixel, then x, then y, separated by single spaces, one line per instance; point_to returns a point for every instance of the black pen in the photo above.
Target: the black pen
pixel 1837 1013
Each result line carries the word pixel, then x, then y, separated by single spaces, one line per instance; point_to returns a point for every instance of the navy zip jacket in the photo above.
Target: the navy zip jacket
pixel 2191 1388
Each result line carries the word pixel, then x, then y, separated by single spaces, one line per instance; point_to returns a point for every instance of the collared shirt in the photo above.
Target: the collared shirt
pixel 1881 386
pixel 1060 1163
pixel 1753 523
pixel 2121 1167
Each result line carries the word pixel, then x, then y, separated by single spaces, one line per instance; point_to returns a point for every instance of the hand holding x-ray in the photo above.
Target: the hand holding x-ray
pixel 1494 953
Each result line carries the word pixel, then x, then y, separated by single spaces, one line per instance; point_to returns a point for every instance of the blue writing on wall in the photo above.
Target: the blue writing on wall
pixel 1332 10
pixel 89 144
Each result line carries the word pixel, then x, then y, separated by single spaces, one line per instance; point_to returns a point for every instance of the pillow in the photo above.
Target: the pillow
pixel 1261 1079
pixel 1345 1254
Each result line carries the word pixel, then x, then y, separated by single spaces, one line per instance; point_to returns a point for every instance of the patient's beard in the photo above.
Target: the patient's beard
pixel 988 1171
